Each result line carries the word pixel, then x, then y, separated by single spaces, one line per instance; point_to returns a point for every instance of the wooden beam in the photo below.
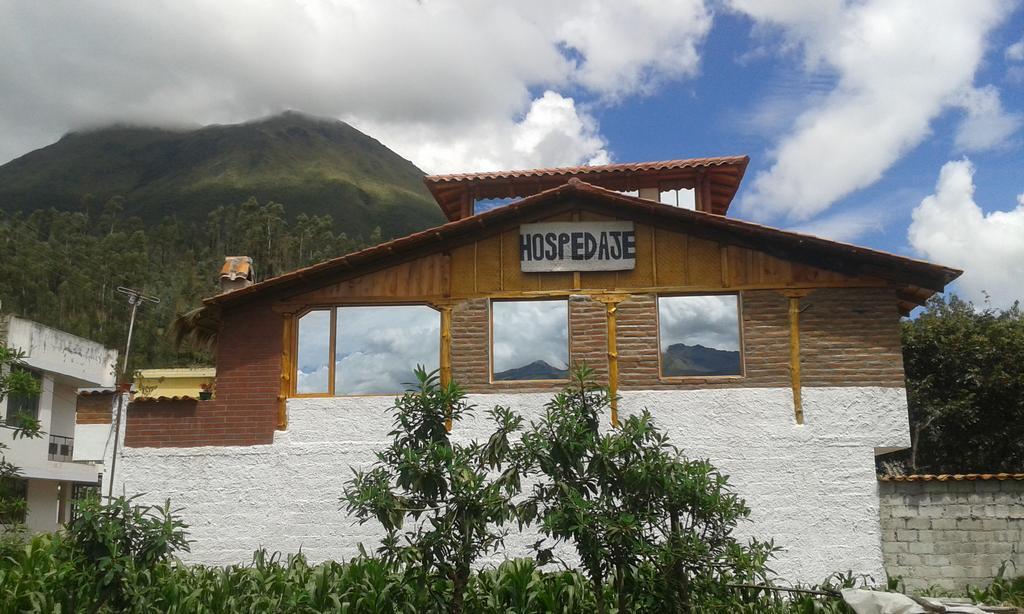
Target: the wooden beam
pixel 611 304
pixel 794 351
pixel 287 368
pixel 446 357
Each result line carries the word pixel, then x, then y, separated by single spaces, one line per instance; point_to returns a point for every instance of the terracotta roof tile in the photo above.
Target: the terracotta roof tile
pixel 950 477
pixel 163 399
pixel 237 267
pixel 590 170
pixel 715 181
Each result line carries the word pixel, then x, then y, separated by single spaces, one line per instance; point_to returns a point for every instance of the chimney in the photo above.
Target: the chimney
pixel 236 273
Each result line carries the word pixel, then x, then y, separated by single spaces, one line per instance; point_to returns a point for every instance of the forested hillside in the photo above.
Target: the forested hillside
pixel 316 166
pixel 158 209
pixel 62 267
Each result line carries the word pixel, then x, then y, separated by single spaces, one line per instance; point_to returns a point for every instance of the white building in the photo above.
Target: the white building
pixel 62 363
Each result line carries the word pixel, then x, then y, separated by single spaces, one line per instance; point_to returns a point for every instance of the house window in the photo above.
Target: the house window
pixel 375 348
pixel 15 492
pixel 699 336
pixel 313 356
pixel 23 404
pixel 530 340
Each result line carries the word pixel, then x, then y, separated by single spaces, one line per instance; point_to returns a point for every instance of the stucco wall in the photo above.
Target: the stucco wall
pixel 812 487
pixel 952 533
pixel 85 362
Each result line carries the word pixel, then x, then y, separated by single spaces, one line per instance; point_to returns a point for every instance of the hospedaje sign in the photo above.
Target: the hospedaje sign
pixel 577 246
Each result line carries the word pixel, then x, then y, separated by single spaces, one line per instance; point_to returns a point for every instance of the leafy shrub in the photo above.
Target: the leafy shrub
pixel 442 504
pixel 658 525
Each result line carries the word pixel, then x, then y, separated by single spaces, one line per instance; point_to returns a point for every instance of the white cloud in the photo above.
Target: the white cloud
pixel 711 321
pixel 987 125
pixel 950 228
pixel 553 132
pixel 1015 52
pixel 845 226
pixel 629 47
pixel 437 69
pixel 527 331
pixel 897 68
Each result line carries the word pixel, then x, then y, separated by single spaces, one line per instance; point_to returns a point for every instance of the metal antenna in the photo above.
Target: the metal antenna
pixel 135 298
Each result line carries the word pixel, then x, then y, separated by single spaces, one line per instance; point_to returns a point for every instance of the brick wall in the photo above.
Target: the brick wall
pixel 248 383
pixel 951 533
pixel 92 408
pixel 849 337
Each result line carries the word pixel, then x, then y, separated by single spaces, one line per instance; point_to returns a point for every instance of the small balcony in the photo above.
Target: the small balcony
pixel 61 448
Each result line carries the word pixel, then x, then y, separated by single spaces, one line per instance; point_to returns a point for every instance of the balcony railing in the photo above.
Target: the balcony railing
pixel 61 448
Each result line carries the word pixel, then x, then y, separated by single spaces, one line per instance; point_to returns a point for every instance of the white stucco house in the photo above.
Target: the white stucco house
pixel 63 363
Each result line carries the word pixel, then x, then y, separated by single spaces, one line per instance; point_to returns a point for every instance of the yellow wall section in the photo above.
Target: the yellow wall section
pixel 173 382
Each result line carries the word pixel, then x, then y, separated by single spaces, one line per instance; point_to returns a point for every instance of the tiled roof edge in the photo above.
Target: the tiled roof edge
pixel 950 477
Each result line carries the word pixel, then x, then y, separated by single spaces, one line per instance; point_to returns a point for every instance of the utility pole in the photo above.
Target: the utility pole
pixel 135 299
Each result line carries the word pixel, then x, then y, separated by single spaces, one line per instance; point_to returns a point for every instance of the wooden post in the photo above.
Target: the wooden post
pixel 287 368
pixel 446 356
pixel 794 350
pixel 611 304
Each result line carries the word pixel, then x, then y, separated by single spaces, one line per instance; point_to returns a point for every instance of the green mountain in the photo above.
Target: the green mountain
pixel 681 359
pixel 311 165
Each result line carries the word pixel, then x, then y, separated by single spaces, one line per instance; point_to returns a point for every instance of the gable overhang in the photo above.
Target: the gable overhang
pixel 714 180
pixel 915 280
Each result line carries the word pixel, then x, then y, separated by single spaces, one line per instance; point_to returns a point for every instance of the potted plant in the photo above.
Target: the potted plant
pixel 205 392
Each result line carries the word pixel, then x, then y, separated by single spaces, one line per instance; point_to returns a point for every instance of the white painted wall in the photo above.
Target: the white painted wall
pixel 31 455
pixel 812 488
pixel 61 353
pixel 42 506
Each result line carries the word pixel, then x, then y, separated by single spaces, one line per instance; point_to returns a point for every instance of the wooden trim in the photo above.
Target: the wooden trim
pixel 288 340
pixel 446 358
pixel 611 304
pixel 295 307
pixel 332 351
pixel 794 357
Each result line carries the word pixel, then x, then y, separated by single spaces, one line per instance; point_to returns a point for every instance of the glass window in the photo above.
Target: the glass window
pixel 23 404
pixel 699 335
pixel 530 340
pixel 312 359
pixel 377 348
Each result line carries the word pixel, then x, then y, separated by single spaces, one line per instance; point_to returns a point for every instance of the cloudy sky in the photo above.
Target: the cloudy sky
pixel 891 123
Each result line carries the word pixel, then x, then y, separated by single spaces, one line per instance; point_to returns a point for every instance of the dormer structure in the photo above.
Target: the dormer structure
pixel 714 182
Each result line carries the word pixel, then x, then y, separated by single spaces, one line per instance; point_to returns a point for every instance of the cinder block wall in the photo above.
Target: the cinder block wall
pixel 951 533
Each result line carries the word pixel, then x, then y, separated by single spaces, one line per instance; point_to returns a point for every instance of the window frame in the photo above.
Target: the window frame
pixel 738 294
pixel 490 339
pixel 8 418
pixel 293 368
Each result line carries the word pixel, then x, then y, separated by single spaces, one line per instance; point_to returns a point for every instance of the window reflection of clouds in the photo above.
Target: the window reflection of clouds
pixel 528 331
pixel 711 321
pixel 313 352
pixel 377 348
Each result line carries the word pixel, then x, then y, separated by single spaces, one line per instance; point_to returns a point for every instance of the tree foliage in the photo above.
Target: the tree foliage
pixel 638 513
pixel 442 504
pixel 965 387
pixel 62 268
